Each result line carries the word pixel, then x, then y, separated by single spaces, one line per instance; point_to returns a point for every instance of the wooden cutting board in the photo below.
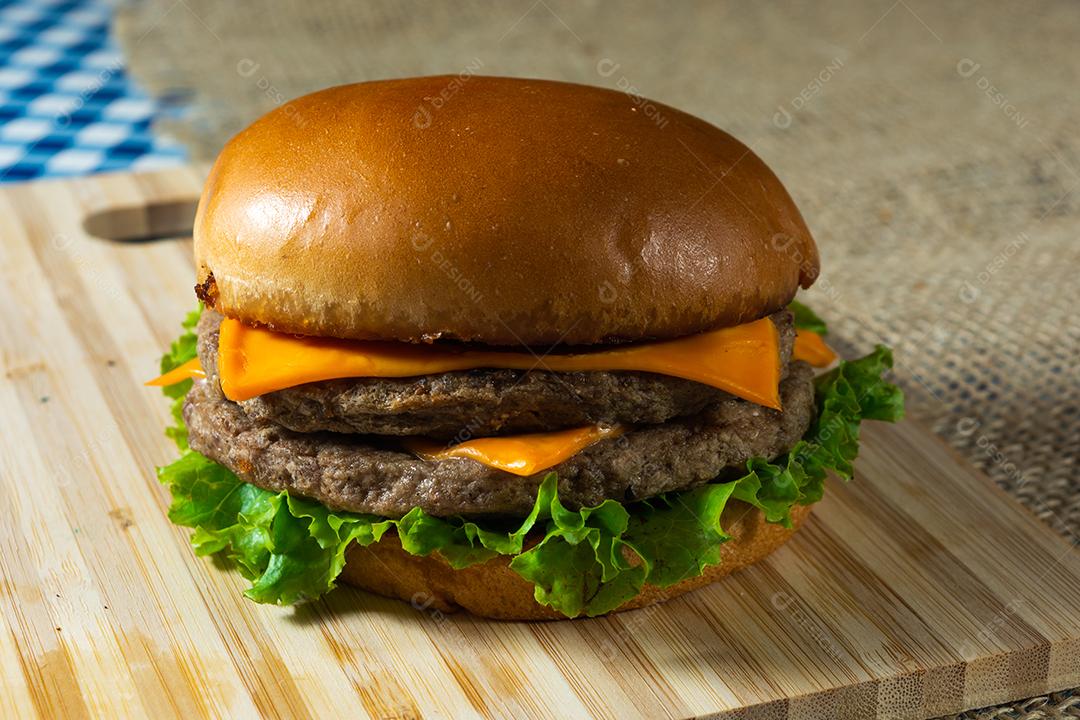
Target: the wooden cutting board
pixel 919 589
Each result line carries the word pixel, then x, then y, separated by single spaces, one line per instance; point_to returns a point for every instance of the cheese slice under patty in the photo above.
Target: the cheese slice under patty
pixel 518 454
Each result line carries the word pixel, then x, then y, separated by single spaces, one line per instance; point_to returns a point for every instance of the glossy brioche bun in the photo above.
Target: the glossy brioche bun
pixel 491 589
pixel 497 210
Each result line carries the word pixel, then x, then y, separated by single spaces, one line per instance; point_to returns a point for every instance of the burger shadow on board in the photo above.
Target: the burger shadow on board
pixel 347 602
pixel 344 602
pixel 612 635
pixel 692 641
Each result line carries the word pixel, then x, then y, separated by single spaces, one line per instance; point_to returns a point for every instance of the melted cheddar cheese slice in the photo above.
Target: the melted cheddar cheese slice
pixel 189 370
pixel 742 360
pixel 518 454
pixel 810 347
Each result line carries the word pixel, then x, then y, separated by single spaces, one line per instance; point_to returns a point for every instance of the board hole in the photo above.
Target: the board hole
pixel 143 223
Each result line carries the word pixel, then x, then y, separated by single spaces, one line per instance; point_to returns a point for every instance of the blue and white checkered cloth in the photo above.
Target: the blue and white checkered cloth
pixel 66 105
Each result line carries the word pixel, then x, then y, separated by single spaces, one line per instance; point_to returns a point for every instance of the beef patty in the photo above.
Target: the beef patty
pixel 477 403
pixel 372 475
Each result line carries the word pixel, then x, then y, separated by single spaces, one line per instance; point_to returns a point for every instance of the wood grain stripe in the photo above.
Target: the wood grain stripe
pixel 44 664
pixel 105 519
pixel 47 559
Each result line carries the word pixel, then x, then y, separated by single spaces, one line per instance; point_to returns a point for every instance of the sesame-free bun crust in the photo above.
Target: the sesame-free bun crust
pixel 491 589
pixel 496 210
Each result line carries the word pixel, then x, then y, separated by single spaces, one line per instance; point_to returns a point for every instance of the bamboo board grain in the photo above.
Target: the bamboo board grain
pixel 919 589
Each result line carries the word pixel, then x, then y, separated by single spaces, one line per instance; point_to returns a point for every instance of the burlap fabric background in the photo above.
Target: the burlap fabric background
pixel 933 148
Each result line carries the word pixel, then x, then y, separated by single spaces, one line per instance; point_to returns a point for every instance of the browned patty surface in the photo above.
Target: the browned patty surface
pixel 369 474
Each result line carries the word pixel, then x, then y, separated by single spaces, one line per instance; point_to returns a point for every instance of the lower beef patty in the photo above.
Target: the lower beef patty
pixel 372 475
pixel 477 403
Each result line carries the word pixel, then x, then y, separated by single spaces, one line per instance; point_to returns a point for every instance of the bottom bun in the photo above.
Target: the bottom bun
pixel 491 589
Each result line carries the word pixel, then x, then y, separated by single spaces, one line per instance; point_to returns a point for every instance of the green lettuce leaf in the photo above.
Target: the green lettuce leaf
pixel 807 319
pixel 678 535
pixel 182 350
pixel 580 566
pixel 585 561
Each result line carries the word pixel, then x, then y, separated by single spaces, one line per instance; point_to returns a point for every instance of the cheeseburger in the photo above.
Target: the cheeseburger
pixel 526 351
